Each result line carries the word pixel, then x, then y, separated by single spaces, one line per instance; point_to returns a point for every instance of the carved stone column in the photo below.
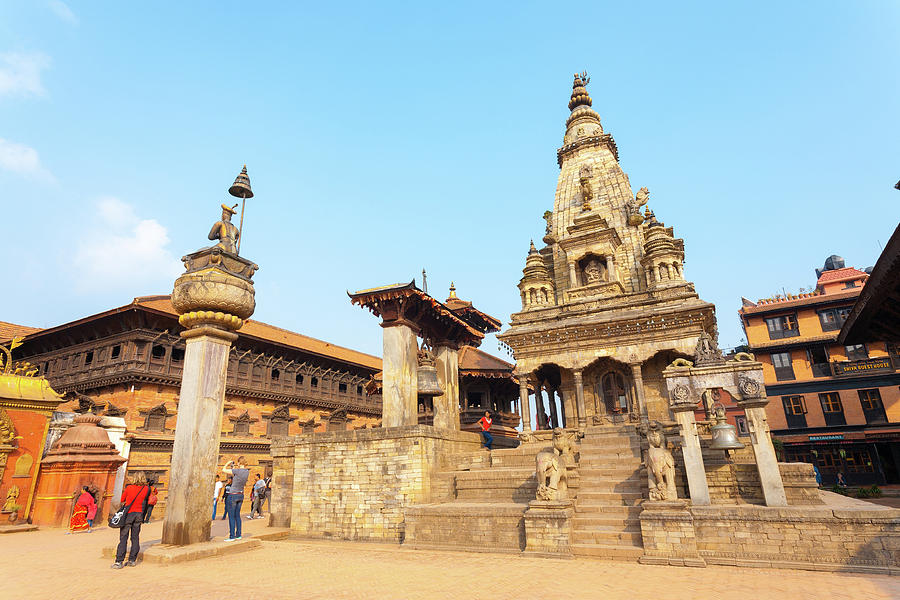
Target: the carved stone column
pixel 563 421
pixel 524 407
pixel 446 406
pixel 554 415
pixel 754 405
pixel 573 276
pixel 639 390
pixel 611 268
pixel 213 298
pixel 579 397
pixel 683 407
pixel 399 372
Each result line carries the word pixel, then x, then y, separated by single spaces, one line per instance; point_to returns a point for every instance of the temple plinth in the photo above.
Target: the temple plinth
pixel 213 298
pixel 407 312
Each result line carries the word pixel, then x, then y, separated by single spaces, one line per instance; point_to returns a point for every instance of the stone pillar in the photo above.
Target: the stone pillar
pixel 764 451
pixel 212 297
pixel 400 385
pixel 554 414
pixel 639 390
pixel 579 397
pixel 195 453
pixel 690 450
pixel 446 406
pixel 524 408
pixel 611 268
pixel 573 276
pixel 564 422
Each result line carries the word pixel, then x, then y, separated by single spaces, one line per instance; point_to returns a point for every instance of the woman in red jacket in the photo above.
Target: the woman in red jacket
pixel 136 494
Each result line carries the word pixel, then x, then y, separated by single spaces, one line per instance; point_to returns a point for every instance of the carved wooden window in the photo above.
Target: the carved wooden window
pixel 257 373
pixel 859 461
pixel 833 319
pixel 314 382
pixel 177 354
pixel 276 374
pixel 158 352
pixel 156 419
pixel 784 368
pixel 88 357
pixel 359 390
pixel 857 352
pixel 872 406
pixel 242 425
pixel 342 388
pixel 337 421
pixel 299 378
pixel 612 386
pixel 115 352
pixel 279 421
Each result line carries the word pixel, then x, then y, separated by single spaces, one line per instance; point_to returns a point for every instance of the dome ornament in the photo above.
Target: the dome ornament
pixel 580 95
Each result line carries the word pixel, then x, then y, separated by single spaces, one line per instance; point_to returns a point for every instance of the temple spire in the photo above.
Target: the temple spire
pixel 580 95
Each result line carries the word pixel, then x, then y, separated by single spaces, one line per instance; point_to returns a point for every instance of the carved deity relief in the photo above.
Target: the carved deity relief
pixel 593 271
pixel 587 192
pixel 12 494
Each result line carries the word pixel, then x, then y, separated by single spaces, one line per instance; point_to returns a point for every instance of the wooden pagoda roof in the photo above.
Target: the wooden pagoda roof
pixel 876 315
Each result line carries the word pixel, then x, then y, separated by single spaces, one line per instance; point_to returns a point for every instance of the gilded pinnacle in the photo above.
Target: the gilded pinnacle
pixel 241 186
pixel 580 95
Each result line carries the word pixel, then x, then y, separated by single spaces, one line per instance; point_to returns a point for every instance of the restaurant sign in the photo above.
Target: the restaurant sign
pixel 822 438
pixel 858 367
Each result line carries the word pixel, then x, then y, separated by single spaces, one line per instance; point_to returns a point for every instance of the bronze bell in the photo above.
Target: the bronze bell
pixel 724 434
pixel 426 375
pixel 241 186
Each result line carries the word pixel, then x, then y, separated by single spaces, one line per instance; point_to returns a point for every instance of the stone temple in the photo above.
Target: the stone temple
pixel 631 455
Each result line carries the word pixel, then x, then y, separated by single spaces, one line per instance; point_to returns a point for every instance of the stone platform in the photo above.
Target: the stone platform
pixel 22 527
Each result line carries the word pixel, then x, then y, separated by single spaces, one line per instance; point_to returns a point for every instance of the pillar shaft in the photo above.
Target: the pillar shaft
pixel 554 415
pixel 524 408
pixel 611 268
pixel 446 406
pixel 579 397
pixel 399 383
pixel 693 457
pixel 639 390
pixel 195 451
pixel 764 451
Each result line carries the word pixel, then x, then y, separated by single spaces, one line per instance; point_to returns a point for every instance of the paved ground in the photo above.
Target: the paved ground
pixel 49 565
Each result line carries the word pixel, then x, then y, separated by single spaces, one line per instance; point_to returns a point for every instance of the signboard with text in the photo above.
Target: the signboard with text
pixel 860 367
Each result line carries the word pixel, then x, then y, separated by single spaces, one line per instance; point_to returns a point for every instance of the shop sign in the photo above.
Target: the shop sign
pixel 857 367
pixel 823 438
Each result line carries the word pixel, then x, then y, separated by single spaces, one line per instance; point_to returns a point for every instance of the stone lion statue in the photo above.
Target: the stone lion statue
pixel 550 468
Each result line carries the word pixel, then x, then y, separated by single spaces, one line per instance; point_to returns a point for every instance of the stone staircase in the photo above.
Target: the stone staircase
pixel 607 505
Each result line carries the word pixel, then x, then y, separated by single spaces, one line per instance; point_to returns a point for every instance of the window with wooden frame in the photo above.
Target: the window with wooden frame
pixel 829 459
pixel 859 461
pixel 794 411
pixel 784 368
pixel 833 319
pixel 782 327
pixel 857 352
pixel 872 406
pixel 832 408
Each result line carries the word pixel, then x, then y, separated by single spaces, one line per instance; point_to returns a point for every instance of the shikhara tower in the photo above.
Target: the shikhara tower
pixel 605 306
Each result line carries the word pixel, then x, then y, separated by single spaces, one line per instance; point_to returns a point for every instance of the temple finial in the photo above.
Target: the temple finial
pixel 452 295
pixel 580 95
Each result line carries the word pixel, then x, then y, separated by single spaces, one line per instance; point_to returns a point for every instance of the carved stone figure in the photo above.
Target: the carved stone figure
pixel 681 394
pixel 593 271
pixel 681 363
pixel 587 192
pixel 225 231
pixel 707 351
pixel 744 357
pixel 548 216
pixel 660 465
pixel 748 387
pixel 12 494
pixel 550 468
pixel 709 397
pixel 633 207
pixel 7 430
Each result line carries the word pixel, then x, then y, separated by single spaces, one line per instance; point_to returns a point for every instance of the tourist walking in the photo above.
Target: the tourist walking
pixel 218 488
pixel 84 512
pixel 135 496
pixel 268 495
pixel 225 489
pixel 258 495
pixel 154 493
pixel 485 423
pixel 235 497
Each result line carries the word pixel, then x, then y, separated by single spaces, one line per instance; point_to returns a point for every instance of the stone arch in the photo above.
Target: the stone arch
pixel 609 387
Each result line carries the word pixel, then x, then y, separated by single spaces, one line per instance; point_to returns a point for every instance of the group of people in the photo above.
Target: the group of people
pixel 231 491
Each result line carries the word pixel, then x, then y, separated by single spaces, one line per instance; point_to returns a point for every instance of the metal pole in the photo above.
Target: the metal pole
pixel 241 226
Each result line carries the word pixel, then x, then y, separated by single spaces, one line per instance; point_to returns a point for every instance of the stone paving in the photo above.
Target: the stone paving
pixel 48 564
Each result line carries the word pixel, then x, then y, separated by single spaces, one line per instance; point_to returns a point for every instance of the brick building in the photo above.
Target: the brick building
pixel 833 405
pixel 127 362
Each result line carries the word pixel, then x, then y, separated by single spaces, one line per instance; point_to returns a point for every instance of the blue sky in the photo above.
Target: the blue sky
pixel 384 139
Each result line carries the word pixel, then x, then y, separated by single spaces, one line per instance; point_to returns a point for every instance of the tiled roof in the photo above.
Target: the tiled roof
pixel 774 305
pixel 473 359
pixel 841 275
pixel 10 330
pixel 271 333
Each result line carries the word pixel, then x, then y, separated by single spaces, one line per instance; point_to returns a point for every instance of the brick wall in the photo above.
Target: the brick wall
pixel 355 484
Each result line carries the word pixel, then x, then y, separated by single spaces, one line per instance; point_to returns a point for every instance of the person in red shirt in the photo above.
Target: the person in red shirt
pixel 136 494
pixel 485 423
pixel 154 493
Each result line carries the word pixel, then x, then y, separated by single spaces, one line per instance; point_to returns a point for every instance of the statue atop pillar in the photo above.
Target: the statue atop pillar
pixel 225 231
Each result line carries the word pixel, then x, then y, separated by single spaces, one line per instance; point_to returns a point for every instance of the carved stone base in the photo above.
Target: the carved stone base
pixel 667 529
pixel 548 528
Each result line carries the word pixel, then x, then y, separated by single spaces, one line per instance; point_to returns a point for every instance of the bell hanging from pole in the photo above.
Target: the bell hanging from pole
pixel 724 434
pixel 426 374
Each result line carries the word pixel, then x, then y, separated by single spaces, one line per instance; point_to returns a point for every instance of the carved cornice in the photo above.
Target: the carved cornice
pixel 604 139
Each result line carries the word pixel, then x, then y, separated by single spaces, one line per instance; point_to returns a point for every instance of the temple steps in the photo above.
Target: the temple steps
pixel 614 551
